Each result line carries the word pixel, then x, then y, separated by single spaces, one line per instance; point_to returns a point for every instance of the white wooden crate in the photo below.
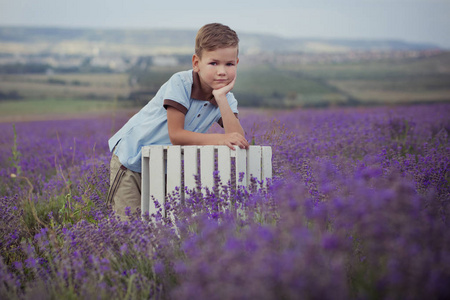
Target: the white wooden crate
pixel 178 160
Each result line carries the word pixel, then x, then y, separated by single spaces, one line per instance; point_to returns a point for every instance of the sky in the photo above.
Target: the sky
pixel 423 21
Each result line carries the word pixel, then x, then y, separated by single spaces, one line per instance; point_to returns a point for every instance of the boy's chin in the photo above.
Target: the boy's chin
pixel 220 85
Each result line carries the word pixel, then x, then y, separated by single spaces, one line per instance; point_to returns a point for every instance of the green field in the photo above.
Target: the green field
pixel 66 86
pixel 410 80
pixel 39 96
pixel 59 106
pixel 43 109
pixel 395 81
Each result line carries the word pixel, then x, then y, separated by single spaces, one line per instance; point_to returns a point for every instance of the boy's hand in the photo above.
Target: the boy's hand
pixel 234 139
pixel 224 90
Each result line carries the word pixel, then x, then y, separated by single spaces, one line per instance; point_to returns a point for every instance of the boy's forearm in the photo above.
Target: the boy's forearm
pixel 186 137
pixel 234 135
pixel 229 120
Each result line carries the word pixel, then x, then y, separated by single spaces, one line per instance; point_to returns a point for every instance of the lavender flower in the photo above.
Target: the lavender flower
pixel 358 208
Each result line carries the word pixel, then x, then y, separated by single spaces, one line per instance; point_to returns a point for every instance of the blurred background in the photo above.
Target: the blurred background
pixel 60 59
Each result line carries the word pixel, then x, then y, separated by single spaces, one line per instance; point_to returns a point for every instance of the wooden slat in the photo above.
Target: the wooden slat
pixel 241 165
pixel 145 185
pixel 157 184
pixel 256 162
pixel 207 166
pixel 145 151
pixel 190 166
pixel 253 163
pixel 266 161
pixel 173 168
pixel 224 164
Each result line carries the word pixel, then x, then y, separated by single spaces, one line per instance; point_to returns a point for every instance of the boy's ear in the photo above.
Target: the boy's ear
pixel 195 60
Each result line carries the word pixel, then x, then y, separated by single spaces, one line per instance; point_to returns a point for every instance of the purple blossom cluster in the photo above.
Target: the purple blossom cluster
pixel 358 208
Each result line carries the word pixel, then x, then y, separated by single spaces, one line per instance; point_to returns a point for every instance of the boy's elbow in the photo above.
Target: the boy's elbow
pixel 175 138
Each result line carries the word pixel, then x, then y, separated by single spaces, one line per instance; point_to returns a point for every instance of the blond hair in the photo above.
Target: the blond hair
pixel 215 36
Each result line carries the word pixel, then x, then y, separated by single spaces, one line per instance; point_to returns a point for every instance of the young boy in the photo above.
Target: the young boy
pixel 181 113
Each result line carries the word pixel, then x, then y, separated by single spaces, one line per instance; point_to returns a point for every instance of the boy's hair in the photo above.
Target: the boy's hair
pixel 215 36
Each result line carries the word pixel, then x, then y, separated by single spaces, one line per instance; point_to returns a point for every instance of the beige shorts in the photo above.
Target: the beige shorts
pixel 124 188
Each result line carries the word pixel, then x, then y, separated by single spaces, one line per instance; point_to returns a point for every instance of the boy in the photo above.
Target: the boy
pixel 181 113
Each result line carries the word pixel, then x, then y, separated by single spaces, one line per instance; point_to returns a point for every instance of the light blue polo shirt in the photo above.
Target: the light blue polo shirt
pixel 149 126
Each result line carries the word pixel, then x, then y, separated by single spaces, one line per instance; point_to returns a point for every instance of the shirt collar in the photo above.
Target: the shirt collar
pixel 197 92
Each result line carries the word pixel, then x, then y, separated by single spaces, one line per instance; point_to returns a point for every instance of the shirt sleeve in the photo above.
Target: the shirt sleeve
pixel 175 105
pixel 177 93
pixel 233 103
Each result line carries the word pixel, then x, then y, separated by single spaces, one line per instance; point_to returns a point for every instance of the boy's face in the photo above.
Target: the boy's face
pixel 216 68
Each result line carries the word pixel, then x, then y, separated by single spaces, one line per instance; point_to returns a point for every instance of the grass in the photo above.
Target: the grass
pixel 438 65
pixel 277 87
pixel 398 90
pixel 61 95
pixel 43 108
pixel 67 86
pixel 271 81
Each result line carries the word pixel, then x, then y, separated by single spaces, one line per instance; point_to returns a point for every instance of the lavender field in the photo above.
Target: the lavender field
pixel 358 208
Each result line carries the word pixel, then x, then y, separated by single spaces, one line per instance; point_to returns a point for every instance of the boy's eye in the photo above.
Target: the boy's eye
pixel 213 63
pixel 230 64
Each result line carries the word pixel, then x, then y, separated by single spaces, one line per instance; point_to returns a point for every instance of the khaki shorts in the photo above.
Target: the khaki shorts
pixel 124 188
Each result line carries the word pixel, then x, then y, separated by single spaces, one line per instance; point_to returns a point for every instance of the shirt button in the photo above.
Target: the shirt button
pixel 198 116
pixel 205 104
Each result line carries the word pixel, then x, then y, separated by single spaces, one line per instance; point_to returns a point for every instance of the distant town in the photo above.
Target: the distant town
pixel 50 50
pixel 51 63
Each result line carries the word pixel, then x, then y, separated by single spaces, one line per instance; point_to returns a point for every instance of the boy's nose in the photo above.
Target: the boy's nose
pixel 221 70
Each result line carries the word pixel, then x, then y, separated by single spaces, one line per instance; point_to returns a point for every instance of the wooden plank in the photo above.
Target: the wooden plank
pixel 224 164
pixel 145 184
pixel 145 151
pixel 254 163
pixel 257 160
pixel 241 165
pixel 173 168
pixel 190 166
pixel 207 166
pixel 157 177
pixel 266 161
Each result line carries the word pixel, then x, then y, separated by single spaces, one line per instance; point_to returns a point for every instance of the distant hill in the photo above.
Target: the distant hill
pixel 151 41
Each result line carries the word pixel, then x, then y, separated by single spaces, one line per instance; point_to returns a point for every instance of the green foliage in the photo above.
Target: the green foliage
pixel 152 79
pixel 15 158
pixel 74 211
pixel 387 69
pixel 19 68
pixel 55 212
pixel 37 213
pixel 133 260
pixel 56 81
pixel 11 95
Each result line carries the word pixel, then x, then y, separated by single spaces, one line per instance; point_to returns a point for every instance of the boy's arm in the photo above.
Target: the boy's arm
pixel 180 136
pixel 229 120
